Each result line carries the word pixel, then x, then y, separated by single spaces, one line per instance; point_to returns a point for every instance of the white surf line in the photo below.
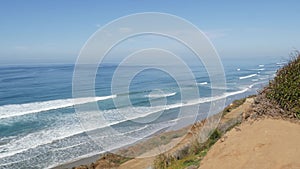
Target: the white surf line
pixel 203 83
pixel 14 110
pixel 248 76
pixel 162 95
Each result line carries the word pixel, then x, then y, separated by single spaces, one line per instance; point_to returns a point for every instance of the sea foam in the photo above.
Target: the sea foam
pixel 248 76
pixel 14 110
pixel 151 95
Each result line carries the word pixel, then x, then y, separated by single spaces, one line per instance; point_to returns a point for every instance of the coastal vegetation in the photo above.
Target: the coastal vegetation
pixel 284 90
pixel 282 96
pixel 191 154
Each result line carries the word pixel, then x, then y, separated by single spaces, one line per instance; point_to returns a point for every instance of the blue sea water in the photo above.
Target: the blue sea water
pixel 39 127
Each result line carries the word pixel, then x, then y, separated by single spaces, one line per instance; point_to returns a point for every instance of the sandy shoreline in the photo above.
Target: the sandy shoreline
pixel 75 163
pixel 173 135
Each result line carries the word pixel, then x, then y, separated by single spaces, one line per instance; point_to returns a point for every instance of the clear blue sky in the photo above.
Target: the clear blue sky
pixel 53 31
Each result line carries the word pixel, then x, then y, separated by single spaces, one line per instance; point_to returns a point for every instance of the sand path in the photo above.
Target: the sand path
pixel 264 144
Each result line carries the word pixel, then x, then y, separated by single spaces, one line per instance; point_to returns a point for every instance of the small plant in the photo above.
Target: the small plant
pixel 233 105
pixel 190 155
pixel 160 162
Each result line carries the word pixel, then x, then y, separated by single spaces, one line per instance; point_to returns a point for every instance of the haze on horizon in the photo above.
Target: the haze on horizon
pixel 54 31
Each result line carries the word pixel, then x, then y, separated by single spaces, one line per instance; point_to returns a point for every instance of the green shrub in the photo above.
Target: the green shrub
pixel 190 155
pixel 161 162
pixel 285 88
pixel 234 105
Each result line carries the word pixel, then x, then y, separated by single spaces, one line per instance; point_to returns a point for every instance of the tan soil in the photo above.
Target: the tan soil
pixel 138 163
pixel 264 144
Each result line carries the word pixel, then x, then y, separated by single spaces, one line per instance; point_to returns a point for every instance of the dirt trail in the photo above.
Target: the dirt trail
pixel 138 163
pixel 266 144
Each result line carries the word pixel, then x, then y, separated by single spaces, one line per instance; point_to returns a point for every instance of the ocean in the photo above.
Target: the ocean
pixel 39 127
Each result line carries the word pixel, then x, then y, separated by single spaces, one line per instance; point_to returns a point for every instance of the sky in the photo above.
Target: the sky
pixel 54 31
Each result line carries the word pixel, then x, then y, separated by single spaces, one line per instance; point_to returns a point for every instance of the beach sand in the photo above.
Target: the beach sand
pixel 265 144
